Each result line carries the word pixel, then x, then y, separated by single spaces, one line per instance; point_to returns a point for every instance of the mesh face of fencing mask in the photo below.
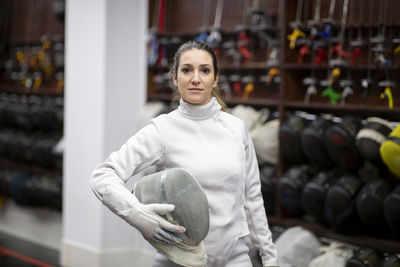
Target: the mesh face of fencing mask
pixel 177 186
pixel 340 201
pixel 290 139
pixel 370 202
pixel 370 138
pixel 268 188
pixel 290 188
pixel 313 142
pixel 314 193
pixel 391 209
pixel 341 143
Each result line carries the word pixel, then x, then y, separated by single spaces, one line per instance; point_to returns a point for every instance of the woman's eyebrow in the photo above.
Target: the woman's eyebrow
pixel 201 65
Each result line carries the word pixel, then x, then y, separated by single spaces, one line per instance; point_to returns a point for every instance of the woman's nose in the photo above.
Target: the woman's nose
pixel 196 77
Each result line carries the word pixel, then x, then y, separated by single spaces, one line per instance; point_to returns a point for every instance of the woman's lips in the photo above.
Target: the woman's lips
pixel 195 89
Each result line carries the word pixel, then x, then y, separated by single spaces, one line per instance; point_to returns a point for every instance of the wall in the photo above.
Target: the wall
pixel 105 89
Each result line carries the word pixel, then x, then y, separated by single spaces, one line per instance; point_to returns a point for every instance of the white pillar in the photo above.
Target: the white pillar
pixel 105 88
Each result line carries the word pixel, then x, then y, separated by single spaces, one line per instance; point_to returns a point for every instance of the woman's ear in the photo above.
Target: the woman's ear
pixel 216 80
pixel 174 79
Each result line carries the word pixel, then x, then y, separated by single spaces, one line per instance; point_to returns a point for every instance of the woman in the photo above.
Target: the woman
pixel 214 147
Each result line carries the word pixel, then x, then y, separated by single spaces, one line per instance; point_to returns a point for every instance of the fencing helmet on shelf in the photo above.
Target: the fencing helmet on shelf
pixel 340 201
pixel 290 138
pixel 268 188
pixel 313 141
pixel 178 187
pixel 370 138
pixel 370 202
pixel 365 257
pixel 314 193
pixel 390 151
pixel 391 209
pixel 390 260
pixel 266 141
pixel 290 188
pixel 340 141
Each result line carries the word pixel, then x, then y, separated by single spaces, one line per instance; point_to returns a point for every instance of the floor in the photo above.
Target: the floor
pixel 15 252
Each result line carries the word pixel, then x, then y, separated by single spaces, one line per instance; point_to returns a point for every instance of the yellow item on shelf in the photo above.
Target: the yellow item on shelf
pixel 390 151
pixel 247 90
pixel 388 93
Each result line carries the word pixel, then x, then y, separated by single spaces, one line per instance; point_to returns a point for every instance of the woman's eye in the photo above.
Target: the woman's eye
pixel 186 70
pixel 206 70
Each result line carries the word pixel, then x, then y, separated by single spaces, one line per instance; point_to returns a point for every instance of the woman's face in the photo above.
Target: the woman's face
pixel 195 77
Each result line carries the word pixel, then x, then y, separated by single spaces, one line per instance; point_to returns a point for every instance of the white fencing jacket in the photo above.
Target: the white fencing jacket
pixel 216 148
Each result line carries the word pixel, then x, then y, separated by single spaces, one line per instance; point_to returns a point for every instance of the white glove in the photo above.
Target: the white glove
pixel 147 219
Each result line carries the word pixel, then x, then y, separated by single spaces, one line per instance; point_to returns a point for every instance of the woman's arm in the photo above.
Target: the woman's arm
pixel 108 183
pixel 260 234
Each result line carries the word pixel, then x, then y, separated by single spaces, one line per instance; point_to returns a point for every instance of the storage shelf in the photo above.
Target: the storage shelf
pixel 43 90
pixel 5 163
pixel 388 245
pixel 306 66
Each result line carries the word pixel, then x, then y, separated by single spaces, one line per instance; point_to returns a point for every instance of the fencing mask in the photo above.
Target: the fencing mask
pixel 313 143
pixel 290 187
pixel 177 186
pixel 340 202
pixel 370 138
pixel 390 151
pixel 314 193
pixel 370 202
pixel 391 209
pixel 365 257
pixel 290 138
pixel 341 143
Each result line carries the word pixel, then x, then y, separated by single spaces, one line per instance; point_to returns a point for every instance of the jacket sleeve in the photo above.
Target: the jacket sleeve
pixel 257 221
pixel 108 179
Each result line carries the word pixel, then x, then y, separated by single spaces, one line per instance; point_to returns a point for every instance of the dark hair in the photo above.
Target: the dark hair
pixel 204 47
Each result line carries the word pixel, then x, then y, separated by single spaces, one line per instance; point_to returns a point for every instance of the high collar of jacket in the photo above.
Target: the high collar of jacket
pixel 202 112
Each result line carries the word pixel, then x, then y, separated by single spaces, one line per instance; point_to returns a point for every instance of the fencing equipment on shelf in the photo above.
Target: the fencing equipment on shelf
pixel 176 186
pixel 268 188
pixel 341 143
pixel 290 138
pixel 216 148
pixel 266 142
pixel 314 193
pixel 390 151
pixel 340 211
pixel 149 111
pixel 364 257
pixel 369 204
pixel 313 141
pixel 391 209
pixel 297 247
pixel 334 255
pixel 390 260
pixel 370 138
